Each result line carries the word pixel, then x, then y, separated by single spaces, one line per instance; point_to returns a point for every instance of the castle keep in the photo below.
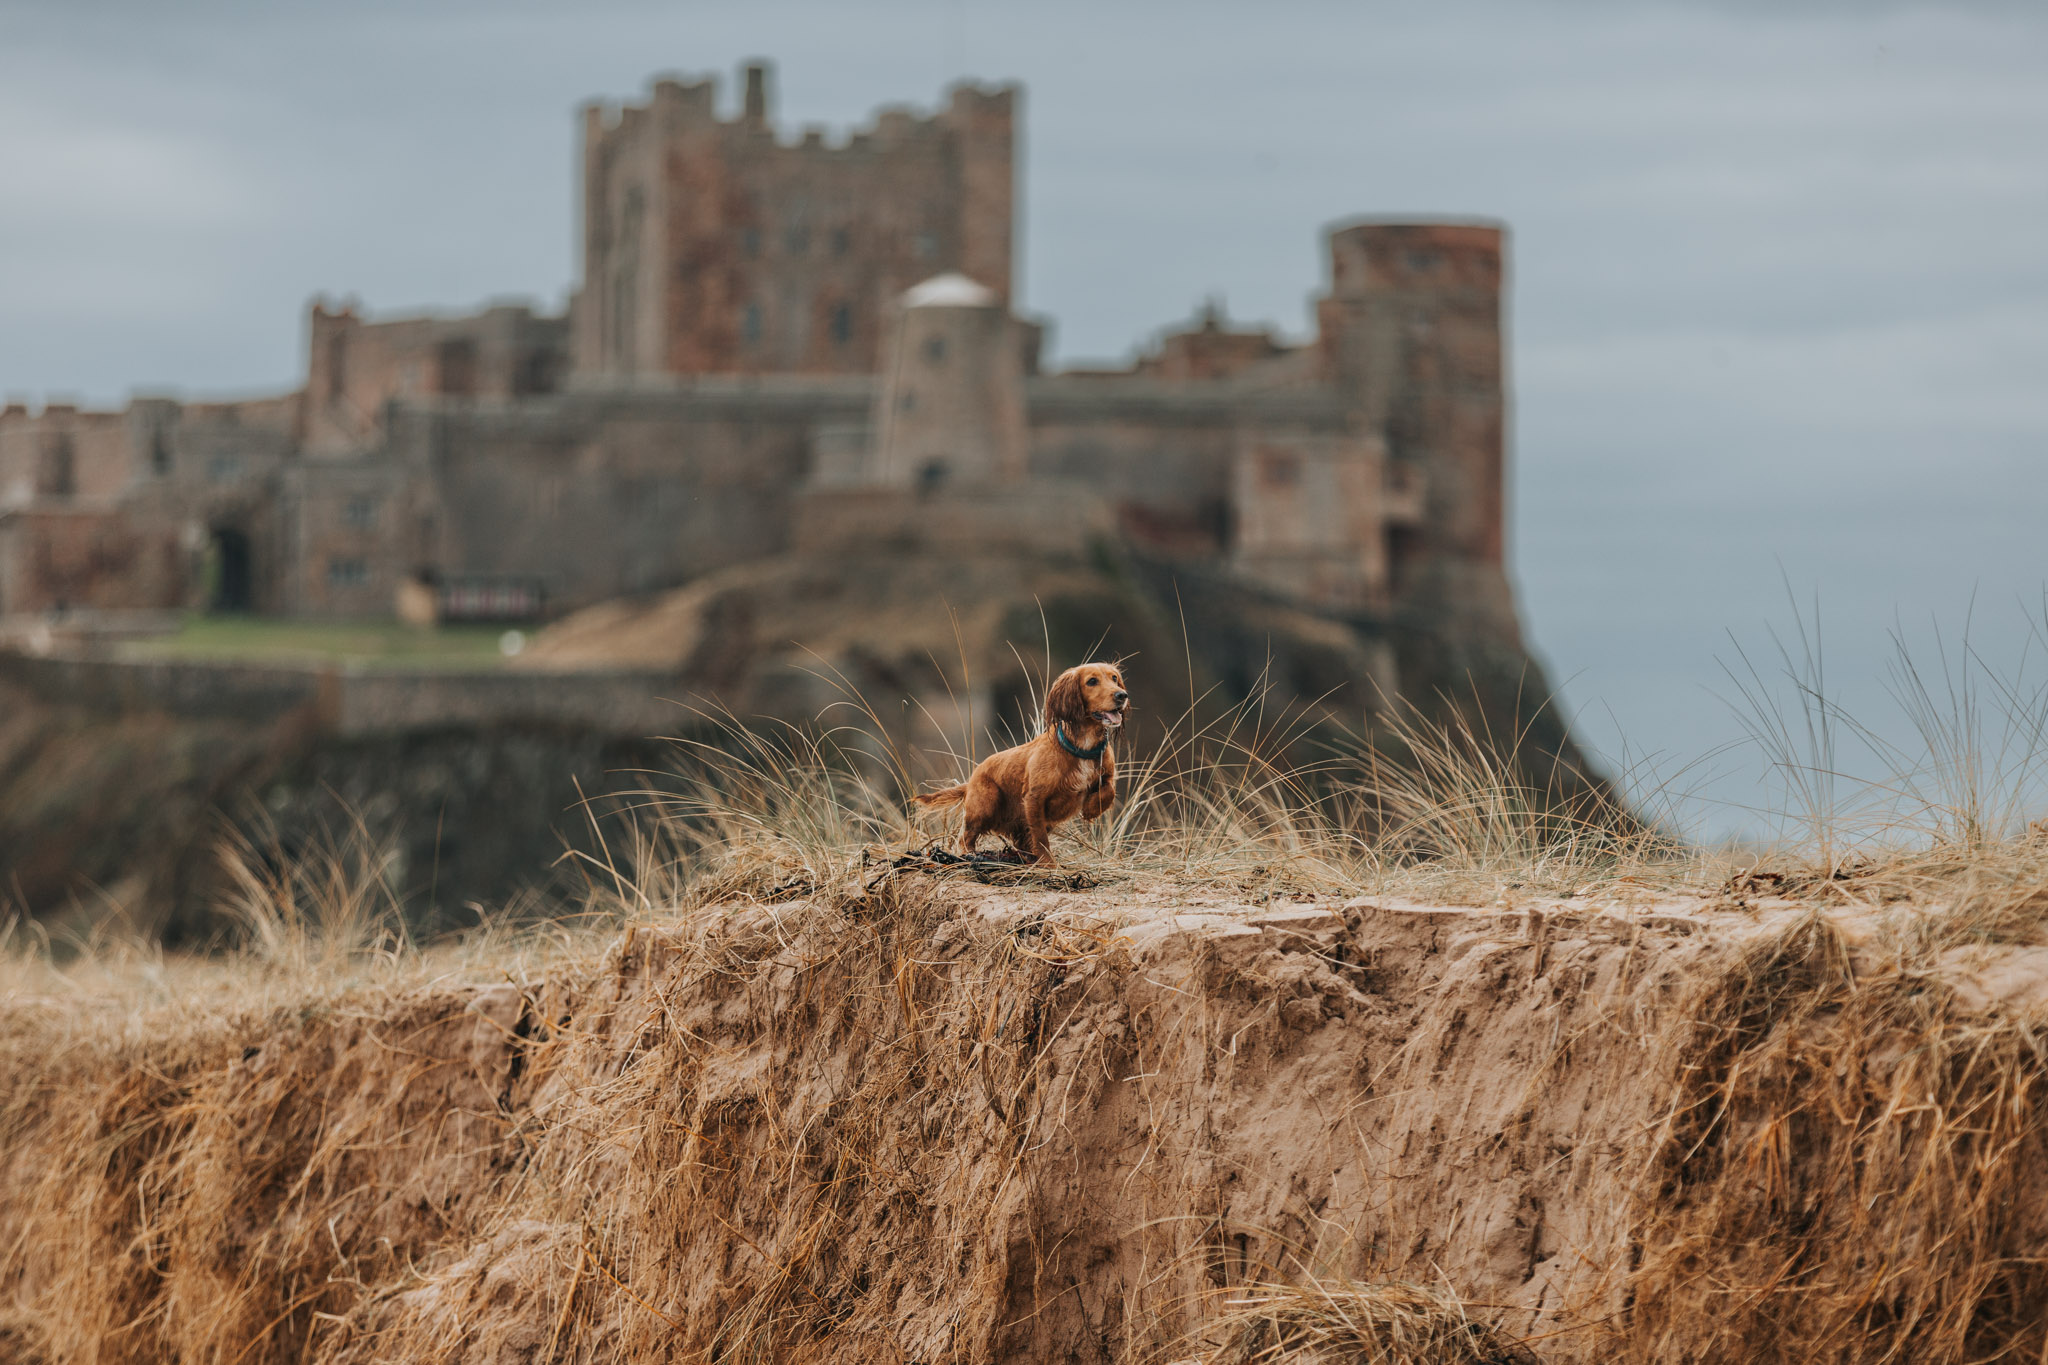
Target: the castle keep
pixel 795 343
pixel 711 247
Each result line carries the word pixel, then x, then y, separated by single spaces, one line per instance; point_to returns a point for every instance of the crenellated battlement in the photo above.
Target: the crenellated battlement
pixel 675 104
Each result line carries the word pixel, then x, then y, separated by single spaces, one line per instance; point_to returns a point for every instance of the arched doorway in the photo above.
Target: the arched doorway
pixel 230 576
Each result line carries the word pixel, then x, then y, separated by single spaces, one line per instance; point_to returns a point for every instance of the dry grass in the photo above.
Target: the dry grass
pixel 1285 804
pixel 1318 1321
pixel 1848 1169
pixel 1959 779
pixel 165 1112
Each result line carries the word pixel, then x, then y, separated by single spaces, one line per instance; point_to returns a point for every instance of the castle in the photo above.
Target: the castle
pixel 796 344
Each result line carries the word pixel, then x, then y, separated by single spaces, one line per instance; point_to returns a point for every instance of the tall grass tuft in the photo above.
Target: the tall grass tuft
pixel 1976 773
pixel 1798 741
pixel 321 906
pixel 1947 787
pixel 754 811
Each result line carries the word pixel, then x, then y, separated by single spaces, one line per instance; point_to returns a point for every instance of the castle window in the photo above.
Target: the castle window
pixel 536 373
pixel 908 402
pixel 360 513
pixel 455 367
pixel 926 245
pixel 1404 547
pixel 347 573
pixel 935 350
pixel 1279 469
pixel 159 451
pixel 750 324
pixel 1420 261
pixel 223 468
pixel 60 467
pixel 337 366
pixel 842 323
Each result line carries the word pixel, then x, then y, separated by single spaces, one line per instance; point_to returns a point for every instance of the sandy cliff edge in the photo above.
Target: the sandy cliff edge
pixel 948 1121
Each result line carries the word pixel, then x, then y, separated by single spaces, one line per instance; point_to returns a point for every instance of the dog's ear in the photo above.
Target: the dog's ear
pixel 1063 700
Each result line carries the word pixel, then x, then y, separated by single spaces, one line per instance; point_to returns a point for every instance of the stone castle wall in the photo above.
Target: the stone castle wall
pixel 115 510
pixel 354 701
pixel 61 559
pixel 599 496
pixel 744 367
pixel 63 453
pixel 356 368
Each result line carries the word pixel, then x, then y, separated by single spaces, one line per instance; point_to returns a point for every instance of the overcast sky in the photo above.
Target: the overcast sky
pixel 1780 270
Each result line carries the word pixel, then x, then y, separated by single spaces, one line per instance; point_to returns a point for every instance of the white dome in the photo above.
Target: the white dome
pixel 950 290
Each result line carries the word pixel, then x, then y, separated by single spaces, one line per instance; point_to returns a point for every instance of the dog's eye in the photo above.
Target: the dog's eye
pixel 1093 681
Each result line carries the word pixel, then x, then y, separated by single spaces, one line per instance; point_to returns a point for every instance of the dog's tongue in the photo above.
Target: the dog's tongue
pixel 1110 719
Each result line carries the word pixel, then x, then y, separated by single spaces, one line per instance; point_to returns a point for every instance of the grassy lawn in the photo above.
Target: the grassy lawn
pixel 202 636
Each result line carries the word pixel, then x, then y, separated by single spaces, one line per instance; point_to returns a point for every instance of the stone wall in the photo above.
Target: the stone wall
pixel 256 693
pixel 356 367
pixel 216 451
pixel 635 704
pixel 60 558
pixel 1049 519
pixel 1162 454
pixel 117 509
pixel 600 495
pixel 65 453
pixel 353 701
pixel 1311 518
pixel 353 532
pixel 62 452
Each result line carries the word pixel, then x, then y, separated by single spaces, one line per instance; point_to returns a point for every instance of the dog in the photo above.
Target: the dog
pixel 1025 793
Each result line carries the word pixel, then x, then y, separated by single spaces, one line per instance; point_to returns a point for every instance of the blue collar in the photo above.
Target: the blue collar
pixel 1059 732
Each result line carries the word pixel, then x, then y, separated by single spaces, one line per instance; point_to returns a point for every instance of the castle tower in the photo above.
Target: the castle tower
pixel 950 408
pixel 712 246
pixel 328 419
pixel 1410 333
pixel 946 468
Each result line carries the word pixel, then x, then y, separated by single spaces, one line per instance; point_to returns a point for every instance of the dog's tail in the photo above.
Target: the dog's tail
pixel 948 796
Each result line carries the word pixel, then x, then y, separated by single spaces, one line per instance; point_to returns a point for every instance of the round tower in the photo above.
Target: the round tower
pixel 950 409
pixel 1410 332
